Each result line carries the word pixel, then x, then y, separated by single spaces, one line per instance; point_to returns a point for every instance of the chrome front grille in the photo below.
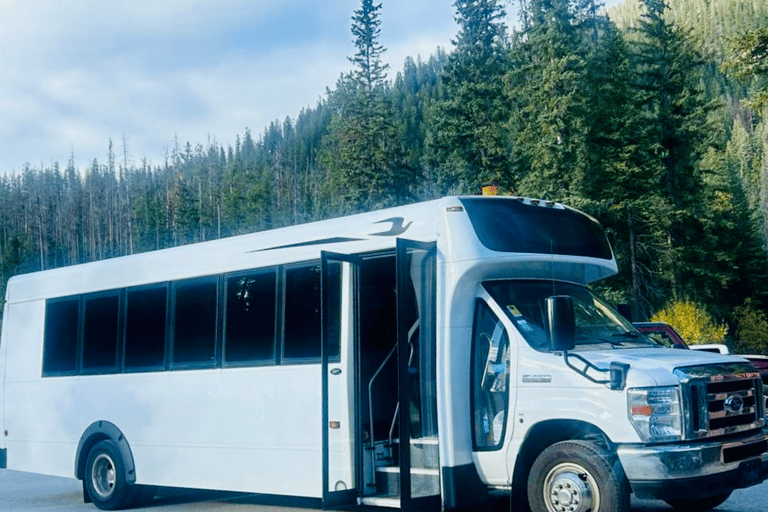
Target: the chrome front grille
pixel 732 404
pixel 722 400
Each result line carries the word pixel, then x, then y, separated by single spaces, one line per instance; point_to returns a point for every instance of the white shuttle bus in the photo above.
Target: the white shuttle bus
pixel 416 357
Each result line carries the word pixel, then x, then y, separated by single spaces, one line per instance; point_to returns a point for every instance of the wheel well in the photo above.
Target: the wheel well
pixel 545 434
pixel 100 431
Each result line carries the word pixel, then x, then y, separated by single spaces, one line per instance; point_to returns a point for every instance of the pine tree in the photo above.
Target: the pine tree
pixel 617 187
pixel 749 62
pixel 677 132
pixel 370 72
pixel 551 114
pixel 469 136
pixel 363 155
pixel 737 263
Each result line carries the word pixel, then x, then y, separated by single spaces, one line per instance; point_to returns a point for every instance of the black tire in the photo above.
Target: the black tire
pixel 577 476
pixel 699 504
pixel 105 477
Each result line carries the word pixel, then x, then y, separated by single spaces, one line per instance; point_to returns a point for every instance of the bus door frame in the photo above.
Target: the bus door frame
pixel 405 248
pixel 344 374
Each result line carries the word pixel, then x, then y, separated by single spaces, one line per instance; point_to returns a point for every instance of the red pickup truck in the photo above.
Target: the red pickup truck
pixel 666 335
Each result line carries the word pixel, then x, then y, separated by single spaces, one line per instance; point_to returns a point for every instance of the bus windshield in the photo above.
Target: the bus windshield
pixel 597 324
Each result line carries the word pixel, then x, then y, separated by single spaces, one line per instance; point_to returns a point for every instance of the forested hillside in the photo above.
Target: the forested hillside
pixel 651 118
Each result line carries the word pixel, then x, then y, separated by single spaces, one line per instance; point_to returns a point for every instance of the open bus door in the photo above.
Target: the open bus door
pixel 416 341
pixel 340 332
pixel 406 475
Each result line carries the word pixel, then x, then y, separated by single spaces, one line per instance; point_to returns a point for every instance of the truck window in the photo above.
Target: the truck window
pixel 301 335
pixel 194 334
pixel 145 328
pixel 249 335
pixel 511 226
pixel 597 324
pixel 490 379
pixel 61 324
pixel 100 332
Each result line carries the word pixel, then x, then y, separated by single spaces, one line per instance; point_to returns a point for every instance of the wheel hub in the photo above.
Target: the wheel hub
pixel 103 476
pixel 569 488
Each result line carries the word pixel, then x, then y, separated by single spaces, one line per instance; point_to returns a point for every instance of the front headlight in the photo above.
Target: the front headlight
pixel 656 413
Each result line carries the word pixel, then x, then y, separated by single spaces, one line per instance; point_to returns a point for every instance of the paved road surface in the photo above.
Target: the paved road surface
pixel 24 492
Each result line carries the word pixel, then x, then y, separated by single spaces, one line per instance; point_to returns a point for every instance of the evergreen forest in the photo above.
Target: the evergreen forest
pixel 651 116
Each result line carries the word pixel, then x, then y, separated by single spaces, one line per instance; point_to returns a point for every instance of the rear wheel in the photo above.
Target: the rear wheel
pixel 699 504
pixel 105 477
pixel 577 476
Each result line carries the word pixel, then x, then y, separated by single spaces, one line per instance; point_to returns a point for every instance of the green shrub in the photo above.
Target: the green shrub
pixel 752 329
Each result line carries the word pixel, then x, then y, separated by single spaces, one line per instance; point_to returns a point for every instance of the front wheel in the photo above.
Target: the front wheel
pixel 577 476
pixel 105 477
pixel 699 504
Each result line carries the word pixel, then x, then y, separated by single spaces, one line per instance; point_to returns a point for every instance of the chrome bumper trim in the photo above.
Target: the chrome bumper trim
pixel 679 461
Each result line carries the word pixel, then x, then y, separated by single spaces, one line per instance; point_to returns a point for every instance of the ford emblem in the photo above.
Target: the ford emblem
pixel 734 404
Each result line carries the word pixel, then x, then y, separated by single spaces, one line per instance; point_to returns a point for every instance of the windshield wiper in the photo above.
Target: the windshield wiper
pixel 635 337
pixel 628 333
pixel 595 341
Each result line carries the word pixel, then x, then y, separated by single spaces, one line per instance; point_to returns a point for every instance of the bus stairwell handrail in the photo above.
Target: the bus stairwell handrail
pixel 397 407
pixel 411 331
pixel 370 391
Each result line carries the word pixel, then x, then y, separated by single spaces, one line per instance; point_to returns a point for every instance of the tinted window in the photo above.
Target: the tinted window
pixel 512 226
pixel 145 327
pixel 250 318
pixel 194 338
pixel 490 379
pixel 60 352
pixel 100 332
pixel 597 324
pixel 302 312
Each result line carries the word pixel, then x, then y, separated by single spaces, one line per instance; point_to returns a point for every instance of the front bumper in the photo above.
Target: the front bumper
pixel 695 470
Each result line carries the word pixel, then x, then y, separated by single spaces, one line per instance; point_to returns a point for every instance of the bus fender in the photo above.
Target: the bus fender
pixel 99 431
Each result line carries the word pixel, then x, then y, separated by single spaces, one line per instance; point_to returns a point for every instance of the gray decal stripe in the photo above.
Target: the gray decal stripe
pixel 335 240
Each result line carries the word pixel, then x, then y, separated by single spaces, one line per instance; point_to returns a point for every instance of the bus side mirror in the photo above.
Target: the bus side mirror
pixel 561 323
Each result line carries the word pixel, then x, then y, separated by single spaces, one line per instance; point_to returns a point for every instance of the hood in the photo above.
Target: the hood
pixel 656 366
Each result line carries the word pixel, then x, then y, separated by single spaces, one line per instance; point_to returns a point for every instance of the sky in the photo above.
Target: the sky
pixel 145 73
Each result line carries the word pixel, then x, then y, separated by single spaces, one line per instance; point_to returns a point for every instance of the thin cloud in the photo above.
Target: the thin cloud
pixel 77 74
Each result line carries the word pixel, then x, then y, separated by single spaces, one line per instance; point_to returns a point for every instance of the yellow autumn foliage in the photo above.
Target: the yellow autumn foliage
pixel 692 322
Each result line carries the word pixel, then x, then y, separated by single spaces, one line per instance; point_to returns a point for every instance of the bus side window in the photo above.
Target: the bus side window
pixel 61 323
pixel 249 332
pixel 145 319
pixel 490 379
pixel 100 332
pixel 301 339
pixel 194 334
